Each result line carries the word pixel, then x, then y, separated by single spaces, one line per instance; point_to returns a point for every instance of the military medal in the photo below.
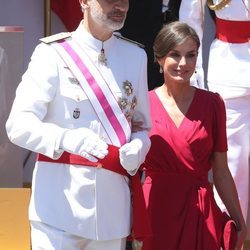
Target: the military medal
pixel 101 57
pixel 76 113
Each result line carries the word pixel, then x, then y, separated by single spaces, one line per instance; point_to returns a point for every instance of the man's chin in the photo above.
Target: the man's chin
pixel 115 25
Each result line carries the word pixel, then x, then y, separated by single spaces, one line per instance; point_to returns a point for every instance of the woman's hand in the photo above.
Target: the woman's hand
pixel 225 186
pixel 241 237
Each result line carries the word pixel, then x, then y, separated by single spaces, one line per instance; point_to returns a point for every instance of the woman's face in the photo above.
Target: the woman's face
pixel 179 63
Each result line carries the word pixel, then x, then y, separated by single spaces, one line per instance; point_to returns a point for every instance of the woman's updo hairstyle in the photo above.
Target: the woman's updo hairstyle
pixel 171 35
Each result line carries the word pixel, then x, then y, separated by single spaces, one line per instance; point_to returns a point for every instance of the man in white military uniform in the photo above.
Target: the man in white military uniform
pixel 74 107
pixel 228 74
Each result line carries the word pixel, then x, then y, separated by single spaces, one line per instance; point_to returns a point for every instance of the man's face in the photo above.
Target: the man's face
pixel 109 13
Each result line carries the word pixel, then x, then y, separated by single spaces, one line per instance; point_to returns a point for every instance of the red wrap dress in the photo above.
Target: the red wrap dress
pixel 179 198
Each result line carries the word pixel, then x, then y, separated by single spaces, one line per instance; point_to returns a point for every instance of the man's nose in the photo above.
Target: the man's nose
pixel 122 5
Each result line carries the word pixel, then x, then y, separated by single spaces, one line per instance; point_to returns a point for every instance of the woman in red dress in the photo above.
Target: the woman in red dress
pixel 188 138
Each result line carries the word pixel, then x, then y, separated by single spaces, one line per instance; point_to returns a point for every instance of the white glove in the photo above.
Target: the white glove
pixel 84 142
pixel 133 154
pixel 129 155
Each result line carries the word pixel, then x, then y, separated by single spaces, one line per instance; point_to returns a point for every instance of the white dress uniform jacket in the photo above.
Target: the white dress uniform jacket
pixel 85 201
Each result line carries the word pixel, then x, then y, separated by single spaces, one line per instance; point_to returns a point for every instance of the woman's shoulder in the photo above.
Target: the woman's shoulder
pixel 209 96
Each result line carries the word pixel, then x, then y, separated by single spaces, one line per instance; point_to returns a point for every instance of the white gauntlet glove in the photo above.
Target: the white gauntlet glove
pixel 129 155
pixel 133 154
pixel 84 142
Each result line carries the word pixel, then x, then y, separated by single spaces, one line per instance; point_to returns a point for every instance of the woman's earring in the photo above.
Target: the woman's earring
pixel 83 7
pixel 161 69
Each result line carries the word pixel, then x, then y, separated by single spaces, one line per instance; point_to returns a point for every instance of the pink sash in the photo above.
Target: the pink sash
pixel 97 90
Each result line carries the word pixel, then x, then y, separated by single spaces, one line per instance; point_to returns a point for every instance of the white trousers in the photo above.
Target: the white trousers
pixel 45 237
pixel 238 135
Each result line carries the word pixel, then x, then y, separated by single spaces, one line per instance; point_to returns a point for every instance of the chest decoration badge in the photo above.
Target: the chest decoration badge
pixel 76 113
pixel 128 101
pixel 102 57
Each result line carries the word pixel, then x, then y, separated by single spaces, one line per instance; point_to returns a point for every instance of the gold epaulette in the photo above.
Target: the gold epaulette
pixel 119 36
pixel 222 4
pixel 56 37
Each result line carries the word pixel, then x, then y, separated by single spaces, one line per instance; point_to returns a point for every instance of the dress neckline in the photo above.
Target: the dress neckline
pixel 169 118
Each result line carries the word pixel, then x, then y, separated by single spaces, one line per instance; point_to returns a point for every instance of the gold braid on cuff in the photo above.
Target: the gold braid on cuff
pixel 222 4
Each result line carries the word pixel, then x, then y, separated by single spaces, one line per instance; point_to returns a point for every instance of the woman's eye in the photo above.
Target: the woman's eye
pixel 174 54
pixel 191 55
